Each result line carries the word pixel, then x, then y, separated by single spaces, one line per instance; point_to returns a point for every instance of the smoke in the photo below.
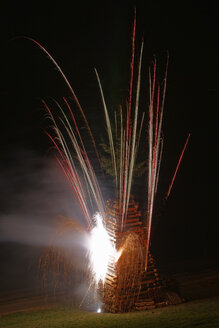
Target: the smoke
pixel 34 193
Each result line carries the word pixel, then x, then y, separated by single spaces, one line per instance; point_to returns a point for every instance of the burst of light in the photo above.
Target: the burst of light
pixel 101 250
pixel 99 310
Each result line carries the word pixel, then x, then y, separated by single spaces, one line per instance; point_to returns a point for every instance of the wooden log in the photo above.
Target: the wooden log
pixel 149 277
pixel 110 279
pixel 132 221
pixel 109 283
pixel 147 282
pixel 145 303
pixel 161 304
pixel 111 273
pixel 144 308
pixel 145 299
pixel 134 216
pixel 135 224
pixel 137 229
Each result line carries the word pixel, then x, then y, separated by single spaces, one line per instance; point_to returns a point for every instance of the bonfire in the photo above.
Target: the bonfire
pixel 121 268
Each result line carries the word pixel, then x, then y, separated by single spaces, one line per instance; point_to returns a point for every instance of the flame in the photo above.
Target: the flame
pixel 101 250
pixel 119 253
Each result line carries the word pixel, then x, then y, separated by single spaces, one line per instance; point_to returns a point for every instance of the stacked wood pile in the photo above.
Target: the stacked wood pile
pixel 145 304
pixel 128 286
pixel 123 281
pixel 123 284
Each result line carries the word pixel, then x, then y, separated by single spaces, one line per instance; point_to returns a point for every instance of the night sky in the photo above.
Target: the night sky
pixel 84 35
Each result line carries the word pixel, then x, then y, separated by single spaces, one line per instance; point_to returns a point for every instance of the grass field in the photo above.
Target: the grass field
pixel 201 310
pixel 201 313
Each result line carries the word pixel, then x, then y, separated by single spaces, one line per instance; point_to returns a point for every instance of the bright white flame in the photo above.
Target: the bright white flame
pixel 99 310
pixel 101 249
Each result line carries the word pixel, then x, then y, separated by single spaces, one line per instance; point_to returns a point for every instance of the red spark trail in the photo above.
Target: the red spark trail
pixel 150 165
pixel 155 157
pixel 77 194
pixel 71 90
pixel 128 132
pixel 177 167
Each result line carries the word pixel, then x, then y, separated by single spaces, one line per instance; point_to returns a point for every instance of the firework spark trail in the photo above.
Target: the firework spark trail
pixel 70 174
pixel 77 194
pixel 153 157
pixel 68 158
pixel 177 167
pixel 162 106
pixel 116 125
pixel 71 90
pixel 70 170
pixel 132 68
pixel 84 162
pixel 85 295
pixel 133 149
pixel 150 163
pixel 155 150
pixel 80 109
pixel 124 185
pixel 160 150
pixel 82 144
pixel 122 145
pixel 150 139
pixel 139 135
pixel 109 130
pixel 87 169
pixel 83 147
pixel 129 105
pixel 125 176
pixel 157 119
pixel 159 164
pixel 75 123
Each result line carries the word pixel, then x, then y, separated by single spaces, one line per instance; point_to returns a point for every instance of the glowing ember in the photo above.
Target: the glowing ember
pixel 118 254
pixel 101 250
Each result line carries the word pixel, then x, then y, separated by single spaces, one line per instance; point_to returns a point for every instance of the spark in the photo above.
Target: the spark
pixel 101 250
pixel 60 71
pixel 177 167
pixel 109 129
pixel 155 149
pixel 134 131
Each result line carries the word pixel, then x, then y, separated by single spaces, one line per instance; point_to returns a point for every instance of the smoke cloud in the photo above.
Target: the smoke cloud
pixel 34 194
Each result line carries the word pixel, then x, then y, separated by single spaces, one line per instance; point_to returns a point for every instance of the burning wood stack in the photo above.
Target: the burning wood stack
pixel 126 280
pixel 127 285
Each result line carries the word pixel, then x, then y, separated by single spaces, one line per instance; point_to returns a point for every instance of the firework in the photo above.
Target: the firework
pixel 155 151
pixel 177 167
pixel 105 252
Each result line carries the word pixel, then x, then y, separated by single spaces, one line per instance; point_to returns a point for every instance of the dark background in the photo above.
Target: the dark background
pixel 81 36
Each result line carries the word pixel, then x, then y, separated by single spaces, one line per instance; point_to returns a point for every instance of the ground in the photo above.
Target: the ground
pixel 200 313
pixel 201 289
